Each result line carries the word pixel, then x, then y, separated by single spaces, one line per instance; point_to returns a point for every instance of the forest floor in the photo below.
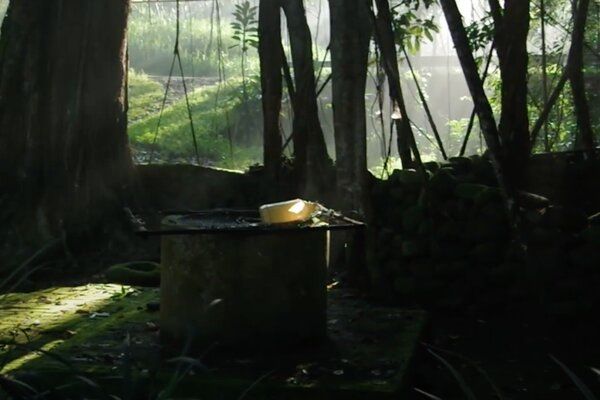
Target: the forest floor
pixel 514 353
pixel 510 353
pixel 104 337
pixel 492 352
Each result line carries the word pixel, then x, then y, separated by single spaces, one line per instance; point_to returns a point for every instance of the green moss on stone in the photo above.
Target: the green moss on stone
pixel 138 273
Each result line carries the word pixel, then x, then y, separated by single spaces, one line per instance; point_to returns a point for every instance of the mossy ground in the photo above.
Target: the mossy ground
pixel 103 339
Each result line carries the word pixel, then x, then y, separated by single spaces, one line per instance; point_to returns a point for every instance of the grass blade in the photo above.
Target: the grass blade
pixel 428 395
pixel 473 364
pixel 585 391
pixel 15 387
pixel 256 382
pixel 461 382
pixel 189 361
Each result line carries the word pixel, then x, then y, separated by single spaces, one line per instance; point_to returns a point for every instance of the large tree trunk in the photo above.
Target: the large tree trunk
pixel 271 63
pixel 64 155
pixel 350 37
pixel 385 39
pixel 511 33
pixel 585 138
pixel 310 152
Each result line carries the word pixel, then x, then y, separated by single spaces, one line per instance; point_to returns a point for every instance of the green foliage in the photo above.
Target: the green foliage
pixel 456 136
pixel 152 37
pixel 410 26
pixel 561 123
pixel 480 32
pixel 216 116
pixel 245 26
pixel 145 96
pixel 384 168
pixel 245 33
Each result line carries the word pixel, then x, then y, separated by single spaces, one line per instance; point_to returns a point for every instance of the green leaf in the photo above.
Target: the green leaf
pixel 429 35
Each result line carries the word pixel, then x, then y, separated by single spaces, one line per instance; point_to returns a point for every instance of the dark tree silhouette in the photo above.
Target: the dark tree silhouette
pixel 585 138
pixel 511 26
pixel 310 152
pixel 483 108
pixel 350 36
pixel 271 64
pixel 64 155
pixel 384 35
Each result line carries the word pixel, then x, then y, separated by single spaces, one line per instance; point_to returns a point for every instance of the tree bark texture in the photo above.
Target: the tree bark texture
pixel 271 64
pixel 64 153
pixel 350 36
pixel 511 47
pixel 310 151
pixel 585 138
pixel 384 35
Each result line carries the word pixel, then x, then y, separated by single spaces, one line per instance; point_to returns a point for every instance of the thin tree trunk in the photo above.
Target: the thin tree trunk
pixel 511 39
pixel 269 32
pixel 432 124
pixel 64 154
pixel 384 35
pixel 350 37
pixel 463 147
pixel 539 123
pixel 585 139
pixel 310 152
pixel 573 68
pixel 544 70
pixel 480 100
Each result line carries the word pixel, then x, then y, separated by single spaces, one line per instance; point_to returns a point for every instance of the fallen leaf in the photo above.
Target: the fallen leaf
pixel 151 326
pixel 100 315
pixel 215 302
pixel 68 333
pixel 332 285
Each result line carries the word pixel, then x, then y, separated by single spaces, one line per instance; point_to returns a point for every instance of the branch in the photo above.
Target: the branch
pixel 426 106
pixel 496 10
pixel 570 68
pixel 488 62
pixel 548 106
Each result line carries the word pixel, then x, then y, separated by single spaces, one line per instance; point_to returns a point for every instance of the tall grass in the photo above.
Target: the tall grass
pixel 145 96
pixel 152 38
pixel 218 116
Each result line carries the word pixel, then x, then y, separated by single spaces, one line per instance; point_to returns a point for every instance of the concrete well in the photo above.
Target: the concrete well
pixel 244 287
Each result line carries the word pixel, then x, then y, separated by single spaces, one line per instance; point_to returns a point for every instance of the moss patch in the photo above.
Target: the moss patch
pixel 106 334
